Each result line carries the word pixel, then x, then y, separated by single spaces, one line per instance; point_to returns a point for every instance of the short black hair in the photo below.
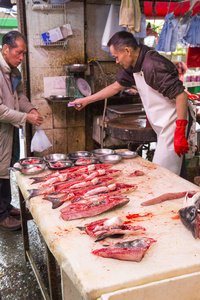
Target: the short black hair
pixel 10 38
pixel 123 39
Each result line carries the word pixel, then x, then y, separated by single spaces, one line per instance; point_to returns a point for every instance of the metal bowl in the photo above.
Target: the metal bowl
pixel 31 169
pixel 110 159
pixel 75 68
pixel 30 161
pixel 55 157
pixel 102 152
pixel 79 154
pixel 59 165
pixel 83 161
pixel 127 154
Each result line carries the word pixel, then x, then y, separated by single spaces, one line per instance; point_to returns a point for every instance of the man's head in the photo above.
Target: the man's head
pixel 14 46
pixel 124 48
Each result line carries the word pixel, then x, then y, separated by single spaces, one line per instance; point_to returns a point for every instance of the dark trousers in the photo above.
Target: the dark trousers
pixel 5 198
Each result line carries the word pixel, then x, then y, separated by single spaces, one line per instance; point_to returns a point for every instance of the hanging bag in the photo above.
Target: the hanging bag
pixel 40 141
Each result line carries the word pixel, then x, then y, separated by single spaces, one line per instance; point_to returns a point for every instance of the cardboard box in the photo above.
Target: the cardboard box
pixel 52 36
pixel 56 34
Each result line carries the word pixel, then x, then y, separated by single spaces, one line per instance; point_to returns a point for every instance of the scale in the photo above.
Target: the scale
pixel 76 86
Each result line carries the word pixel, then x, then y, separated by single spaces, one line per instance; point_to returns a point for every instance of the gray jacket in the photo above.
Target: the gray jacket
pixel 14 106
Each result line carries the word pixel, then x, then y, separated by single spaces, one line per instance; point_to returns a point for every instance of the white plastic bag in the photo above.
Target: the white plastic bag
pixel 40 141
pixel 111 27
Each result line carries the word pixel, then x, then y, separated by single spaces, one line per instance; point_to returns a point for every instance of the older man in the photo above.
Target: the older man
pixel 15 111
pixel 162 94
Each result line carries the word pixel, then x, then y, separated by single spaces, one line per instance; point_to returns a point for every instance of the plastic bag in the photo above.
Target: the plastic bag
pixel 111 27
pixel 40 141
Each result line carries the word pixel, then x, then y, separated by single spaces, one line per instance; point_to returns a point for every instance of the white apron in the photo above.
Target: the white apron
pixel 161 113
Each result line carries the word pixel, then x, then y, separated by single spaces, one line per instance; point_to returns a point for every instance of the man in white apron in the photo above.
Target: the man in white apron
pixel 162 94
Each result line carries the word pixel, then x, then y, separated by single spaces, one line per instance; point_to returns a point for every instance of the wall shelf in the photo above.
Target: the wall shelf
pixel 38 42
pixel 48 7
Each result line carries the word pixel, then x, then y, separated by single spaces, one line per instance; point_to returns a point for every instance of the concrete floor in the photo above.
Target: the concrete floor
pixel 17 280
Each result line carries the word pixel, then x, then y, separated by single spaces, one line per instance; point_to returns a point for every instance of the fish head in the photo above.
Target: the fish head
pixel 190 214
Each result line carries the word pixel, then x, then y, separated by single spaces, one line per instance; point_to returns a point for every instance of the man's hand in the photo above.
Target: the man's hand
pixel 79 103
pixel 34 117
pixel 180 141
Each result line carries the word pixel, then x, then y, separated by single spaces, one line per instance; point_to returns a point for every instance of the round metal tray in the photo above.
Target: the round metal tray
pixel 30 161
pixel 101 152
pixel 127 154
pixel 59 165
pixel 110 159
pixel 79 154
pixel 75 68
pixel 31 169
pixel 55 157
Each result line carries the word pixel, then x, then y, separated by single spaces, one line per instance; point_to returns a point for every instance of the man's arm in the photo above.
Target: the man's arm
pixel 182 106
pixel 107 92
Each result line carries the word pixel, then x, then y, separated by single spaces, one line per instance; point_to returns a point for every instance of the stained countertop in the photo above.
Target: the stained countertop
pixel 92 275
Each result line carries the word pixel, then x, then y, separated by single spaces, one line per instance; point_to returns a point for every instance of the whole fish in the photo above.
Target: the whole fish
pixel 92 208
pixel 130 250
pixel 190 213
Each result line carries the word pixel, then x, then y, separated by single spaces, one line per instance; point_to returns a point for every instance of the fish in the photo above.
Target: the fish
pixel 65 187
pixel 58 201
pixel 36 192
pixel 74 172
pixel 86 169
pixel 114 188
pixel 190 213
pixel 130 250
pixel 90 208
pixel 110 227
pixel 165 197
pixel 70 192
pixel 58 178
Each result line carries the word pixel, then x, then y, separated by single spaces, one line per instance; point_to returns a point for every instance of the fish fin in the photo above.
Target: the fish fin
pixel 33 193
pixel 81 228
pixel 55 202
pixel 105 235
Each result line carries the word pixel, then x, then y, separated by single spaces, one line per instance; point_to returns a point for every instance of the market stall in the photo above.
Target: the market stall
pixel 171 262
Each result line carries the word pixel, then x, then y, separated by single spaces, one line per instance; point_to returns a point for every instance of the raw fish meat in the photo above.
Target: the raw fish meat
pixel 131 250
pixel 92 208
pixel 108 227
pixel 164 197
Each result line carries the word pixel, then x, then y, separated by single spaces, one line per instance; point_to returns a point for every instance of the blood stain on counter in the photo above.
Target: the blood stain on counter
pixel 137 216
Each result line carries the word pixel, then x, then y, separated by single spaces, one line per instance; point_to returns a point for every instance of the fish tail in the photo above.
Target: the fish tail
pixel 56 202
pixel 33 193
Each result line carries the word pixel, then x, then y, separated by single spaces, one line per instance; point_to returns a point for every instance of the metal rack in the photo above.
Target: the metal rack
pixel 47 7
pixel 38 42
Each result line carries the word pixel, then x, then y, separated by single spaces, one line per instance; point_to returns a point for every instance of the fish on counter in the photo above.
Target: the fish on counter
pixel 90 193
pixel 90 208
pixel 66 186
pixel 165 197
pixel 130 250
pixel 190 213
pixel 76 171
pixel 113 227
